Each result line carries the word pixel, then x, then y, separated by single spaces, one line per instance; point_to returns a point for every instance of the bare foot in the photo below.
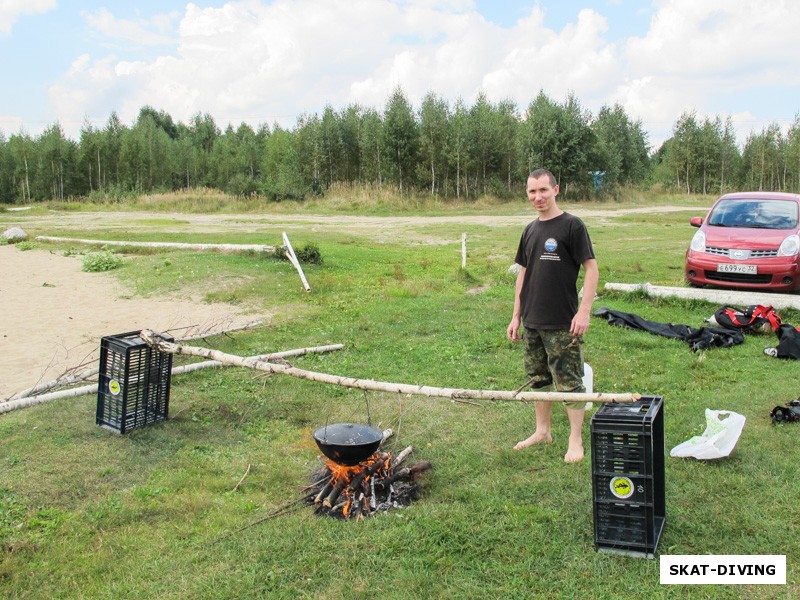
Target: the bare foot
pixel 574 453
pixel 536 438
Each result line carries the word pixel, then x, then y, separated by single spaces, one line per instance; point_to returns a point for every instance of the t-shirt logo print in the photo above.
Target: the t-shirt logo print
pixel 549 253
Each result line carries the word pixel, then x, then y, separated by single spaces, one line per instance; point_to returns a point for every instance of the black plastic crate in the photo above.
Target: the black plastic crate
pixel 638 489
pixel 633 529
pixel 628 485
pixel 621 452
pixel 133 385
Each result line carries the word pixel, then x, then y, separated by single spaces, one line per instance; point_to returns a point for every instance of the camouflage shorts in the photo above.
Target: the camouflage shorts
pixel 555 356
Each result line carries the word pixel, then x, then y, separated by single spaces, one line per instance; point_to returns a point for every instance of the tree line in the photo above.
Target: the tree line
pixel 449 151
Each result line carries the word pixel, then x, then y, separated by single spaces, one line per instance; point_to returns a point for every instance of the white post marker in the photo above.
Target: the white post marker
pixel 464 250
pixel 293 259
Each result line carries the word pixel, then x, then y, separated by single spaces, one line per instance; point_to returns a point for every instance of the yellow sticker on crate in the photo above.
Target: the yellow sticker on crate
pixel 621 487
pixel 114 387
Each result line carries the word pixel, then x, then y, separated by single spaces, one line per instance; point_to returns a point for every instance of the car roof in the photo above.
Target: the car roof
pixel 761 196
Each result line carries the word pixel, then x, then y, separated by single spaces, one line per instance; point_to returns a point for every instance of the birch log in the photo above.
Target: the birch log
pixel 285 354
pixel 293 259
pixel 154 340
pixel 34 400
pixel 177 245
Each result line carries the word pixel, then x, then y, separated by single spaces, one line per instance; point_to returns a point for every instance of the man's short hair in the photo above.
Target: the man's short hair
pixel 543 173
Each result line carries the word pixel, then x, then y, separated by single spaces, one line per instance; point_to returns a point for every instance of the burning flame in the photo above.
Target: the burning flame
pixel 342 476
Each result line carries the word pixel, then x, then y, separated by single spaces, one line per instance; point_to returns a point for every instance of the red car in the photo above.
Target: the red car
pixel 747 240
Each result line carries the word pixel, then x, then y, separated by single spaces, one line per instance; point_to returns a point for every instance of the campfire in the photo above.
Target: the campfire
pixel 348 489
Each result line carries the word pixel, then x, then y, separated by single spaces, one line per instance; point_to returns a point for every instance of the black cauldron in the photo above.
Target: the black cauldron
pixel 348 443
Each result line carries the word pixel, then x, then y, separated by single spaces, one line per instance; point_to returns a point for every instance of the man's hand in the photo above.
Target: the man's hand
pixel 580 324
pixel 513 330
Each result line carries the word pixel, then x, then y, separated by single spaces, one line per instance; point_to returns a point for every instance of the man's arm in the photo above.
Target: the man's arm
pixel 513 328
pixel 591 277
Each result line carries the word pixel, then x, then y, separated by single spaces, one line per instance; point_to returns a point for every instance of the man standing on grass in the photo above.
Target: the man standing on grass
pixel 551 252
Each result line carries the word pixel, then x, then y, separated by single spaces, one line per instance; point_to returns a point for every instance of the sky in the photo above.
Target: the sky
pixel 76 62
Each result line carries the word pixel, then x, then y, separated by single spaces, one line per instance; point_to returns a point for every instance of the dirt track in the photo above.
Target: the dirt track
pixel 206 223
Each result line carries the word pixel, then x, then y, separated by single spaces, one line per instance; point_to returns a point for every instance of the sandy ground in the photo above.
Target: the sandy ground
pixel 52 316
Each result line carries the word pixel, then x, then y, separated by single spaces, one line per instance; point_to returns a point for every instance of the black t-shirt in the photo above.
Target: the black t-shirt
pixel 552 253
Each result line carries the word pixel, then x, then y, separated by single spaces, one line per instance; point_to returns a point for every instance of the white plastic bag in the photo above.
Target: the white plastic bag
pixel 588 383
pixel 717 441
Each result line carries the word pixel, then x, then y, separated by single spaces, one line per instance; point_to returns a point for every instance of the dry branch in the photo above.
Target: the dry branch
pixel 63 381
pixel 210 331
pixel 27 401
pixel 246 473
pixel 155 340
pixel 67 379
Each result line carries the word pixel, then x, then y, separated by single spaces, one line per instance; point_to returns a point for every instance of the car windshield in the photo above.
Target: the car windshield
pixel 754 213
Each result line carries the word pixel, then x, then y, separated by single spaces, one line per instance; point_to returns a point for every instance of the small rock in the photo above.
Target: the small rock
pixel 479 290
pixel 14 235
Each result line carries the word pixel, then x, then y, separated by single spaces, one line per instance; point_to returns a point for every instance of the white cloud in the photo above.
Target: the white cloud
pixel 258 62
pixel 11 10
pixel 461 49
pixel 700 55
pixel 577 59
pixel 727 37
pixel 144 32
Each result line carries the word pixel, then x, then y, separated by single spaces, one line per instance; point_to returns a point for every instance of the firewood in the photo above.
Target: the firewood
pixel 323 493
pixel 411 472
pixel 402 456
pixel 420 467
pixel 368 472
pixel 331 498
pixel 372 502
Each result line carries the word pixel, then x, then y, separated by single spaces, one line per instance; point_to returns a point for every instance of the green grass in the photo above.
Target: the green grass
pixel 85 513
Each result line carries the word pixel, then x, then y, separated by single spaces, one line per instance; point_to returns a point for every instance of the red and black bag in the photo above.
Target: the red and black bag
pixel 754 317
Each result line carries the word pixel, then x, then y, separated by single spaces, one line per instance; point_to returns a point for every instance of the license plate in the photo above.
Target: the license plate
pixel 729 268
